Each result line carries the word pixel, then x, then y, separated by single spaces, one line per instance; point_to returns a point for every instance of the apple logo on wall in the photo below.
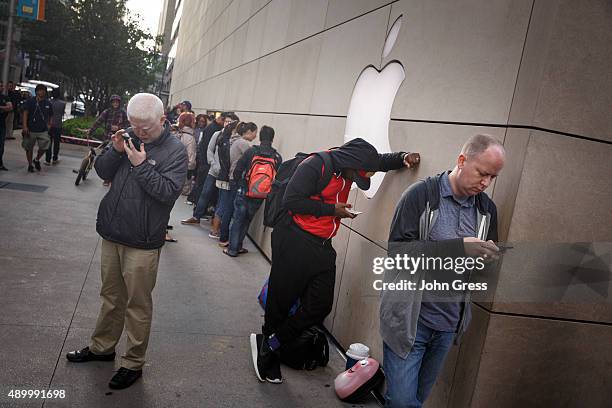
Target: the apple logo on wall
pixel 370 108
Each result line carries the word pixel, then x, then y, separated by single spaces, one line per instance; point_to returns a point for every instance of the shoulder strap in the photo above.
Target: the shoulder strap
pixel 327 170
pixel 433 192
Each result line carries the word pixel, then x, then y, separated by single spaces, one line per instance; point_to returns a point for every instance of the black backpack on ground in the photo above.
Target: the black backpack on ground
pixel 307 352
pixel 274 211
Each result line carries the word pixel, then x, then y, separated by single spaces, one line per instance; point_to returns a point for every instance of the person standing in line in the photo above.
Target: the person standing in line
pixel 239 143
pixel 202 165
pixel 186 122
pixel 245 207
pixel 209 189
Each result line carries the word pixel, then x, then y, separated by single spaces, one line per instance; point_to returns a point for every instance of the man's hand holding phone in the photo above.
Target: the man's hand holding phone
pixel 118 143
pixel 134 149
pixel 342 211
pixel 478 248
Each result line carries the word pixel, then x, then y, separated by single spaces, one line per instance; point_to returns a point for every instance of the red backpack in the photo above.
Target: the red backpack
pixel 260 176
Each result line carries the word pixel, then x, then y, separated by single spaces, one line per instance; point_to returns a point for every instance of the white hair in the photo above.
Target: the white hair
pixel 145 106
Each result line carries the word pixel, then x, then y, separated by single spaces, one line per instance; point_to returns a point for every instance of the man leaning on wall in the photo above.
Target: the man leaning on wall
pixel 447 214
pixel 311 218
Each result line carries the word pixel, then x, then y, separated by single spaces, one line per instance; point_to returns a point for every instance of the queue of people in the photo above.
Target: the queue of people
pixel 208 159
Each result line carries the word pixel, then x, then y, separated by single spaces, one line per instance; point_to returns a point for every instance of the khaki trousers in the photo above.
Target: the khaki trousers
pixel 9 124
pixel 128 278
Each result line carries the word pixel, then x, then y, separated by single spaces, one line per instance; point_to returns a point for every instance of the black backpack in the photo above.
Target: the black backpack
pixel 308 351
pixel 274 211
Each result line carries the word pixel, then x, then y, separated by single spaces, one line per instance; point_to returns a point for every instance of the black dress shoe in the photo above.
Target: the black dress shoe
pixel 124 378
pixel 84 355
pixel 37 164
pixel 3 168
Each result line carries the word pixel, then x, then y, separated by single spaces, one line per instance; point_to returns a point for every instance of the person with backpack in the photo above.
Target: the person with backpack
pixel 209 189
pixel 230 151
pixel 254 174
pixel 316 189
pixel 202 164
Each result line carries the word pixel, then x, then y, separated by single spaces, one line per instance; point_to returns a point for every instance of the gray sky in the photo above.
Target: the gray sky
pixel 149 11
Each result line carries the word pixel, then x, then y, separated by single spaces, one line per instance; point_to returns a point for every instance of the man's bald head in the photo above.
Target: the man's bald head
pixel 480 161
pixel 146 115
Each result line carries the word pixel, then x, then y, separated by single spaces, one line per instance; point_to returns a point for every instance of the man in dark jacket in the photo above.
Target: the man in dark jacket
pixel 303 259
pixel 202 166
pixel 443 217
pixel 132 220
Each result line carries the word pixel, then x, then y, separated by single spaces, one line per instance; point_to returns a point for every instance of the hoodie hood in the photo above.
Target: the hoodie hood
pixel 358 155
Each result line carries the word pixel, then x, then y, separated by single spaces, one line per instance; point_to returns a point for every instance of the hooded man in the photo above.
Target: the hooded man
pixel 303 258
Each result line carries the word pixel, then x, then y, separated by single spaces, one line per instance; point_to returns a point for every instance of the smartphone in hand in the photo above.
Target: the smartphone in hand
pixel 130 135
pixel 355 213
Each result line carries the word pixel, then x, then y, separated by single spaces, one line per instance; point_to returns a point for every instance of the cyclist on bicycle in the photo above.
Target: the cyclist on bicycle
pixel 113 119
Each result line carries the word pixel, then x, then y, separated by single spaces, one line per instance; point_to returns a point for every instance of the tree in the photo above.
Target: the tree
pixel 96 46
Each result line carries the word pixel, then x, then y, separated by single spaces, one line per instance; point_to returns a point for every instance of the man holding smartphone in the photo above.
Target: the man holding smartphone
pixel 303 259
pixel 132 220
pixel 447 215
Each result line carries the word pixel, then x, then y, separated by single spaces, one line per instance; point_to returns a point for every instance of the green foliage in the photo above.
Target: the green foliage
pixel 97 45
pixel 77 127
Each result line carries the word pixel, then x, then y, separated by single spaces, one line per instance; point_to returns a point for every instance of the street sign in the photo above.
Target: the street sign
pixel 31 9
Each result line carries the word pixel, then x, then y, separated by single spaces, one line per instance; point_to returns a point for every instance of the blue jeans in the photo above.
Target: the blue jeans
pixel 409 381
pixel 205 196
pixel 244 211
pixel 226 204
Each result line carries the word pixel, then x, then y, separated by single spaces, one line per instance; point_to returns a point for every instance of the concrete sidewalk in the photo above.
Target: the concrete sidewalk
pixel 204 306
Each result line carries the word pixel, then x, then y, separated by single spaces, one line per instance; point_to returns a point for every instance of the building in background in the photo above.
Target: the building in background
pixel 167 27
pixel 533 73
pixel 17 68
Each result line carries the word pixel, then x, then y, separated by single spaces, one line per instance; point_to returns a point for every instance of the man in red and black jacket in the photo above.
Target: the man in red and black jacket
pixel 303 259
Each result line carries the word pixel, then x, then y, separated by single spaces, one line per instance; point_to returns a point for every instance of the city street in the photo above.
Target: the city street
pixel 205 306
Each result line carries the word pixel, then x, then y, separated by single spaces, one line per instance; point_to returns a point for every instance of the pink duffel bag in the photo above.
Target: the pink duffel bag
pixel 356 383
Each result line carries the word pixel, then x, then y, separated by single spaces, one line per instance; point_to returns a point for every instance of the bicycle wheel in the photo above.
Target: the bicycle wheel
pixel 78 179
pixel 82 171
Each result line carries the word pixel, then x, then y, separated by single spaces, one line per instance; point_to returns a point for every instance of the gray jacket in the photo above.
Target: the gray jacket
pixel 415 215
pixel 212 155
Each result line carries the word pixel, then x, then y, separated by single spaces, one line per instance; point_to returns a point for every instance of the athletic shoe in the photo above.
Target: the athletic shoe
pixel 37 164
pixel 56 161
pixel 188 202
pixel 212 235
pixel 47 163
pixel 265 361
